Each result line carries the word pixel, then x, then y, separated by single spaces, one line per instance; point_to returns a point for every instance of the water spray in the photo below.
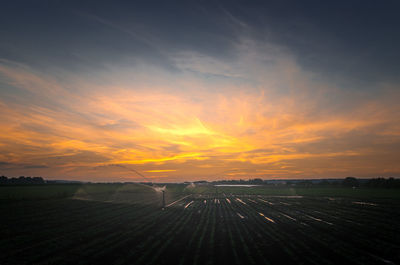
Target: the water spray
pixel 132 170
pixel 157 189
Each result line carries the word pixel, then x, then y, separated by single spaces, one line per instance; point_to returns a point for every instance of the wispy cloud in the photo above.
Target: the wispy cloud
pixel 260 113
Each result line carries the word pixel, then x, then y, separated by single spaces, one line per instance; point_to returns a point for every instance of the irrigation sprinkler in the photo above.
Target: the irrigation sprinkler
pixel 162 189
pixel 163 199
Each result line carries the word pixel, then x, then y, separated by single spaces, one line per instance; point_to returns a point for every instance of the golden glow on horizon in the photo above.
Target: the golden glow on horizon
pixel 197 134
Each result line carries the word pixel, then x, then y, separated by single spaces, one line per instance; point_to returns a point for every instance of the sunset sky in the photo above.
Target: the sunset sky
pixel 199 90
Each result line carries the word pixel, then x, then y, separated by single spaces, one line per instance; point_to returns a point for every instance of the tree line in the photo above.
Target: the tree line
pixel 21 180
pixel 346 182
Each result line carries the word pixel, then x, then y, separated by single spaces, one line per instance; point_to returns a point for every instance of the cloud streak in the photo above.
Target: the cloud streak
pixel 278 122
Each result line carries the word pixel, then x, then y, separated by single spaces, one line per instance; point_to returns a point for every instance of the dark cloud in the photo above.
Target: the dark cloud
pixel 173 148
pixel 119 125
pixel 39 128
pixel 77 157
pixel 74 34
pixel 4 164
pixel 35 166
pixel 352 42
pixel 7 165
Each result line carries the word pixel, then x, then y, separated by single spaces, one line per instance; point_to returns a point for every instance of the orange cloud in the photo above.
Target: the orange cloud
pixel 197 132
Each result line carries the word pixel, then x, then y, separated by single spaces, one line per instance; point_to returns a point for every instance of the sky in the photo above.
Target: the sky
pixel 199 90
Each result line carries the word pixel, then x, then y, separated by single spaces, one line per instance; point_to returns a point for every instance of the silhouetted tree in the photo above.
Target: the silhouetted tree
pixel 350 182
pixel 384 183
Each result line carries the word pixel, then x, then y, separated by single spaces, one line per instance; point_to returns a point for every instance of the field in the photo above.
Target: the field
pixel 126 224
